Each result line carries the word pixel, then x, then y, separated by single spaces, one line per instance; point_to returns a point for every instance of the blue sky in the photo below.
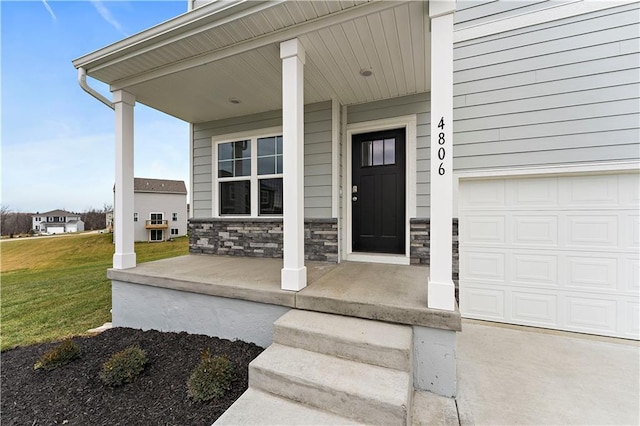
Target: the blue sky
pixel 57 141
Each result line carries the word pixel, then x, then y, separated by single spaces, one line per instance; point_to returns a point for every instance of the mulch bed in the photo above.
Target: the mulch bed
pixel 74 395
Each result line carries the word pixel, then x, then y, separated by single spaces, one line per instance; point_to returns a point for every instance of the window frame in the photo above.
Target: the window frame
pixel 253 177
pixel 174 217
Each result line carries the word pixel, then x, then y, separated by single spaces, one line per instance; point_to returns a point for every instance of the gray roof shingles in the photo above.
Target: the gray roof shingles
pixel 159 185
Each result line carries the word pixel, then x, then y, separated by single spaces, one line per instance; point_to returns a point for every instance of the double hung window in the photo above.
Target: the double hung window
pixel 249 176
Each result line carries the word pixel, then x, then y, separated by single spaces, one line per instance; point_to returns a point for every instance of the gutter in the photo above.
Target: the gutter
pixel 82 80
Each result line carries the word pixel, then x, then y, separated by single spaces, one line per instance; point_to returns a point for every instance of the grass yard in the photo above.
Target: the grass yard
pixel 57 287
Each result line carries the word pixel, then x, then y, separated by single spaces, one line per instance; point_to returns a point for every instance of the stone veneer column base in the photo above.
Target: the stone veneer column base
pixel 419 230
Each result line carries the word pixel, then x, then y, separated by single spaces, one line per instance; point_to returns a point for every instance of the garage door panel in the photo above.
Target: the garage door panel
pixel 538 193
pixel 483 265
pixel 535 230
pixel 629 190
pixel 484 229
pixel 600 190
pixel 592 230
pixel 632 320
pixel 630 231
pixel 591 315
pixel 591 273
pixel 485 194
pixel 535 269
pixel 632 274
pixel 563 252
pixel 534 309
pixel 483 303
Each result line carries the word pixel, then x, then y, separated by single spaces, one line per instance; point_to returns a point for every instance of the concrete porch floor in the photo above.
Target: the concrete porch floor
pixel 392 293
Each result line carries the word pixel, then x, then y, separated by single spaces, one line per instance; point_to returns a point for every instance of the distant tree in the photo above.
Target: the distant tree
pixel 13 223
pixel 94 218
pixel 5 211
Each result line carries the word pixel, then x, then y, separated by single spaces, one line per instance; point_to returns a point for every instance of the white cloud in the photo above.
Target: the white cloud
pixel 46 6
pixel 106 15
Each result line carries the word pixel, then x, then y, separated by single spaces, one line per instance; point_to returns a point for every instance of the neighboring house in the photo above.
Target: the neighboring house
pixel 57 222
pixel 160 211
pixel 109 221
pixel 374 131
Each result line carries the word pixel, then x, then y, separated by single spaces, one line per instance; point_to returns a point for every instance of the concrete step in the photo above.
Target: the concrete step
pixel 363 392
pixel 255 407
pixel 371 342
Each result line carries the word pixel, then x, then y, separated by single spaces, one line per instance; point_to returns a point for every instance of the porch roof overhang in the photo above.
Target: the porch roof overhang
pixel 192 66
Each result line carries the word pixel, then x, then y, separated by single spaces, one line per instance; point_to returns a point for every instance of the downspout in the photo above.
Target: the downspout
pixel 82 80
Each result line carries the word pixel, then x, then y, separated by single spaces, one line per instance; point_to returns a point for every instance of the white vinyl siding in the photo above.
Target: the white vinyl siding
pixel 407 105
pixel 317 156
pixel 561 92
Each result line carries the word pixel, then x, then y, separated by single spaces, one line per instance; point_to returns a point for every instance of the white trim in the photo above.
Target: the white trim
pixel 552 13
pixel 190 197
pixel 632 166
pixel 389 259
pixel 335 156
pixel 409 123
pixel 253 178
pixel 342 239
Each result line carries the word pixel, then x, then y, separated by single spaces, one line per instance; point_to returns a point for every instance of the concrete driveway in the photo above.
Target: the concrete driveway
pixel 519 375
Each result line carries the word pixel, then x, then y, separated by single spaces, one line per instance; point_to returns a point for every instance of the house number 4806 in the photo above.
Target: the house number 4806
pixel 441 151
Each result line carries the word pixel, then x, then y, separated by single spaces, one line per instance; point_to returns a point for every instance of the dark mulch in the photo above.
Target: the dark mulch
pixel 74 394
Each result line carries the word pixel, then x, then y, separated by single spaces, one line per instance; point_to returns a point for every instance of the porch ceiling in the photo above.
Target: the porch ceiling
pixel 191 71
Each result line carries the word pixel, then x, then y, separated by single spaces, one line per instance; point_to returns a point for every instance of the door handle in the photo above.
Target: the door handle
pixel 354 198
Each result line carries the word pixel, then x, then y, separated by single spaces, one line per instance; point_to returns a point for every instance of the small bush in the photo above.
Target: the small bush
pixel 58 356
pixel 211 378
pixel 123 367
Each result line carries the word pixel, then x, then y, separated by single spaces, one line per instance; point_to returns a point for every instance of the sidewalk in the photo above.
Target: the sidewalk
pixel 520 375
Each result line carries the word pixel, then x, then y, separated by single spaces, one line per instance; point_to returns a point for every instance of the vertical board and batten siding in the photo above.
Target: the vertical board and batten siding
pixel 418 104
pixel 317 156
pixel 560 92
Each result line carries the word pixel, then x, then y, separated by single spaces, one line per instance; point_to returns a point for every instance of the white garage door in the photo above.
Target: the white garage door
pixel 557 252
pixel 55 230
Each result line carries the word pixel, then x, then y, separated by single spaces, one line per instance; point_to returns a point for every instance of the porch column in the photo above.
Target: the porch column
pixel 441 292
pixel 294 273
pixel 124 256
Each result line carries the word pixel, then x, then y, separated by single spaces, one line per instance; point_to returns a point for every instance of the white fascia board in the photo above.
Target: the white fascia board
pixel 275 37
pixel 211 15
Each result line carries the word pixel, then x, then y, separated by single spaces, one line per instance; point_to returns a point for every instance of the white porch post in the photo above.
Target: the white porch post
pixel 124 256
pixel 294 273
pixel 441 293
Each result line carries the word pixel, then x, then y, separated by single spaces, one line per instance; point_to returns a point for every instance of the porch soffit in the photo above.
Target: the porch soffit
pixel 192 76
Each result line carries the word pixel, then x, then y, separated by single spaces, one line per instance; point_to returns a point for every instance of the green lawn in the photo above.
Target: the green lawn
pixel 56 287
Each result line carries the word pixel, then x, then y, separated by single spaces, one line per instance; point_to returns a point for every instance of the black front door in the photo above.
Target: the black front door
pixel 378 192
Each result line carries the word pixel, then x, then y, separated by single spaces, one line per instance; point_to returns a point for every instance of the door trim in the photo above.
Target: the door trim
pixel 409 123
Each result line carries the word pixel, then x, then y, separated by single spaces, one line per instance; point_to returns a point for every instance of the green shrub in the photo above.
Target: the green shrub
pixel 211 378
pixel 123 367
pixel 58 356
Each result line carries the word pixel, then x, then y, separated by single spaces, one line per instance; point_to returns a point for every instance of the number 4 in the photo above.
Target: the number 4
pixel 441 123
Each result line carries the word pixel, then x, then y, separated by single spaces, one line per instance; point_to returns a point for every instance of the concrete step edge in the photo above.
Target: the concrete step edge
pixel 372 342
pixel 258 407
pixel 359 391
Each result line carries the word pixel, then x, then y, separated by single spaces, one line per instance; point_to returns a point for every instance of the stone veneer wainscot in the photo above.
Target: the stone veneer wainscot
pixel 261 237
